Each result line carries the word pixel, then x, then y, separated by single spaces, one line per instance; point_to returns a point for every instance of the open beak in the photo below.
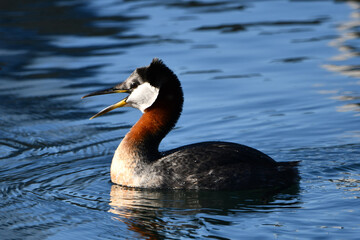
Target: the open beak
pixel 122 103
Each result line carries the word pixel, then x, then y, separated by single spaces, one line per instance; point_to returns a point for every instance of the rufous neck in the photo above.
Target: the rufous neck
pixel 155 123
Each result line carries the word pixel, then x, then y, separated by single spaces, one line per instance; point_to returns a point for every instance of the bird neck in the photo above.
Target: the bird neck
pixel 139 148
pixel 145 136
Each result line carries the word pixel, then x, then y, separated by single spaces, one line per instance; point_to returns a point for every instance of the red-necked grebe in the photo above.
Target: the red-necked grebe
pixel 156 91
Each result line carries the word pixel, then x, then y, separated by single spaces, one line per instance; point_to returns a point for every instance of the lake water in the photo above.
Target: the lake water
pixel 280 76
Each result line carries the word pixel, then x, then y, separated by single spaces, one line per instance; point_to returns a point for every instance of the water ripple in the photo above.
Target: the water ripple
pixel 261 86
pixel 225 28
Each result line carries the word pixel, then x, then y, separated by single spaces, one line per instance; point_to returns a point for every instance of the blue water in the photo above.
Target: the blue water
pixel 280 76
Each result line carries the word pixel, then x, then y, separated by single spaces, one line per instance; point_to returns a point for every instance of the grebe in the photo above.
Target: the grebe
pixel 137 162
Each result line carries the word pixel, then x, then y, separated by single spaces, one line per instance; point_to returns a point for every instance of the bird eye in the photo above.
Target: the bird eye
pixel 134 85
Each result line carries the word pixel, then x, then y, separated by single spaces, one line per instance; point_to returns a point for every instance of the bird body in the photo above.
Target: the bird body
pixel 156 91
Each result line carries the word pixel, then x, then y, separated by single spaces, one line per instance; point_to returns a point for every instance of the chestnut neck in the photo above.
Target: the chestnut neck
pixel 145 136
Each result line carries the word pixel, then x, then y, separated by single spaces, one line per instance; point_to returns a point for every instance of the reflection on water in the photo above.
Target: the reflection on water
pixel 351 184
pixel 227 28
pixel 248 70
pixel 348 44
pixel 153 214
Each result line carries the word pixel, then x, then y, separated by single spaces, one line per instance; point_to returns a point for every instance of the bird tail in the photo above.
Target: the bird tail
pixel 289 173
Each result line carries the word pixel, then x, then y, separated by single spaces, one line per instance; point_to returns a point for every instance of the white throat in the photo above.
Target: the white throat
pixel 142 97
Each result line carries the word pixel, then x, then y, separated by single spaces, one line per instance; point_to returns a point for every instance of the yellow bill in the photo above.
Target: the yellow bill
pixel 110 108
pixel 122 103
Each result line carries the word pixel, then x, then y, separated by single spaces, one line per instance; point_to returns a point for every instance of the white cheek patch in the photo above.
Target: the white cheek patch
pixel 142 97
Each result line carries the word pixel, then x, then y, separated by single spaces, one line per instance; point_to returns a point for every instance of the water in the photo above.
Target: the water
pixel 280 76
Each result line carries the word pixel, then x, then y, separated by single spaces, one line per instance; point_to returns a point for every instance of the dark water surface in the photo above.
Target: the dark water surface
pixel 280 76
